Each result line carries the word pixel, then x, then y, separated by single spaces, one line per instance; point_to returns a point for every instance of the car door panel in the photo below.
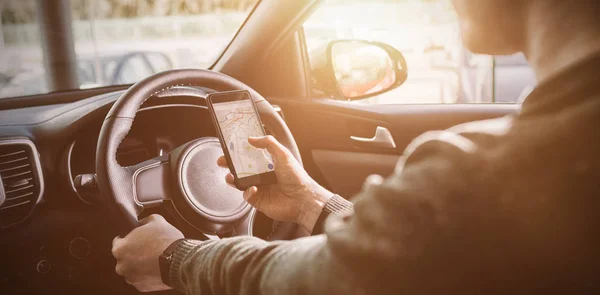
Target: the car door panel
pixel 345 171
pixel 323 128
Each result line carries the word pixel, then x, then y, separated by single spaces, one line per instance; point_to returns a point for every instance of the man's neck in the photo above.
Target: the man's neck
pixel 557 38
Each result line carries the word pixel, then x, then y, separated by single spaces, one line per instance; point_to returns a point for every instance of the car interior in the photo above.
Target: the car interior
pixel 79 167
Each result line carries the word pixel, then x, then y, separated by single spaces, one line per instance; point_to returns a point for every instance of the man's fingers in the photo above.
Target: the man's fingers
pixel 229 179
pixel 372 180
pixel 119 269
pixel 222 162
pixel 115 241
pixel 116 252
pixel 270 144
pixel 145 220
pixel 150 218
pixel 249 194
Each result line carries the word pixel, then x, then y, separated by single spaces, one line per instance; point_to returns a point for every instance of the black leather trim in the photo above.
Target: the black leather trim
pixel 2 195
pixel 114 181
pixel 134 97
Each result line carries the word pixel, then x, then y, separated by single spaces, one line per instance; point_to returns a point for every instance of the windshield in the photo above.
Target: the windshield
pixel 113 41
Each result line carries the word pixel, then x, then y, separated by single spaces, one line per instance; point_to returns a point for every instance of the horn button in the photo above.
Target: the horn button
pixel 204 191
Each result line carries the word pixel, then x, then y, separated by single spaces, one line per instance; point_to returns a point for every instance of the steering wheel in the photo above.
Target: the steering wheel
pixel 188 175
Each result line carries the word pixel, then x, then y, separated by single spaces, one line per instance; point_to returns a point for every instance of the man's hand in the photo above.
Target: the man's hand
pixel 295 198
pixel 137 253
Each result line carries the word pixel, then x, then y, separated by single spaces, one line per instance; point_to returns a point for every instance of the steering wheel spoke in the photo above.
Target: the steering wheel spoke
pixel 150 181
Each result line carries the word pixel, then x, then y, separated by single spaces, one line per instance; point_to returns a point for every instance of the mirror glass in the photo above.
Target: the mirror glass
pixel 361 68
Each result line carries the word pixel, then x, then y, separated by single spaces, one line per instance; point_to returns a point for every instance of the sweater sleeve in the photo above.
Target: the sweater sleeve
pixel 336 206
pixel 391 244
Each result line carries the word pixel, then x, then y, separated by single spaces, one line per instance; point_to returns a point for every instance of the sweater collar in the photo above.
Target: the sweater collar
pixel 578 83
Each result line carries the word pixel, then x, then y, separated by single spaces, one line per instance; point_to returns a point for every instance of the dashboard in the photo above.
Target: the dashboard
pixel 64 241
pixel 156 131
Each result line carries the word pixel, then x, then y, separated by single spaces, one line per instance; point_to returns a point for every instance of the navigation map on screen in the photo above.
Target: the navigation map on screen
pixel 238 121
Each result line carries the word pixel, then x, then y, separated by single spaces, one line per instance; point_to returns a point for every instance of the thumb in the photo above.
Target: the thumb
pixel 151 218
pixel 269 143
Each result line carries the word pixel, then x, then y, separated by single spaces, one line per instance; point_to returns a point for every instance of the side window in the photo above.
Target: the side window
pixel 440 69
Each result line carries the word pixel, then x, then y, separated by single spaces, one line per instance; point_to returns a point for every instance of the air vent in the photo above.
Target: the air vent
pixel 21 180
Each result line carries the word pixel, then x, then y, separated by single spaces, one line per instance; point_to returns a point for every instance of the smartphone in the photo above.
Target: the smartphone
pixel 236 118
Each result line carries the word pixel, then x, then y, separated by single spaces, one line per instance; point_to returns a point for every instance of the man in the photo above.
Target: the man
pixel 501 206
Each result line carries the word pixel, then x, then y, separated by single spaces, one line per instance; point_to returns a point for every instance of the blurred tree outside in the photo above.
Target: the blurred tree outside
pixel 185 33
pixel 23 11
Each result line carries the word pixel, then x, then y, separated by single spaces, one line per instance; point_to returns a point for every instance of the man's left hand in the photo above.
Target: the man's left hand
pixel 137 253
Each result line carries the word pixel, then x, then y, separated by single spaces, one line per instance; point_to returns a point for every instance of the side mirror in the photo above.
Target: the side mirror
pixel 351 70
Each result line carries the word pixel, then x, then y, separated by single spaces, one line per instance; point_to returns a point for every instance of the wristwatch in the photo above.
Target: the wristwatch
pixel 164 262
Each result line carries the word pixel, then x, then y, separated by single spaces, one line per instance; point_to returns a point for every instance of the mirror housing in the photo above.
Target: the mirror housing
pixel 352 69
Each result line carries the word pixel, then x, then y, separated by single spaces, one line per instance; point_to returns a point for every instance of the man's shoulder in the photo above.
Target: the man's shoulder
pixel 491 127
pixel 459 141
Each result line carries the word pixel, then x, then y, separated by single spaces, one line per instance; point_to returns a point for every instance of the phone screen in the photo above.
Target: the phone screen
pixel 239 120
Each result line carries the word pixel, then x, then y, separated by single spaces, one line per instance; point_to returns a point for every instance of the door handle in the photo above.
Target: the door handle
pixel 382 139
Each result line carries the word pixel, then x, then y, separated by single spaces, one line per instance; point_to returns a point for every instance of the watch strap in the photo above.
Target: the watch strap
pixel 165 260
pixel 336 205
